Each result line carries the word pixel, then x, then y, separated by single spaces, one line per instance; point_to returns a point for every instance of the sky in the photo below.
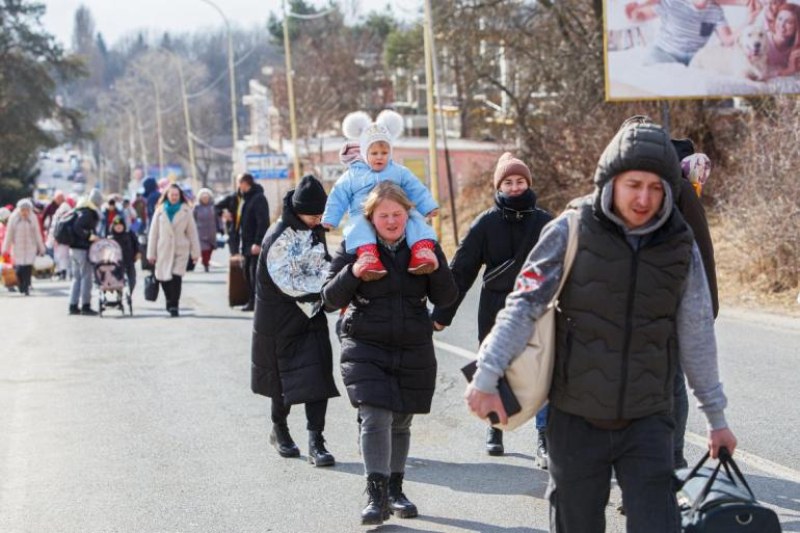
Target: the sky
pixel 116 18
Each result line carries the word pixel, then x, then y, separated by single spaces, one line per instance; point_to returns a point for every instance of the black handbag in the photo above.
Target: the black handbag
pixel 151 288
pixel 711 503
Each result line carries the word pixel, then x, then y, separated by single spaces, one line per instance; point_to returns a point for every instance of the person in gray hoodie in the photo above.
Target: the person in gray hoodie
pixel 635 304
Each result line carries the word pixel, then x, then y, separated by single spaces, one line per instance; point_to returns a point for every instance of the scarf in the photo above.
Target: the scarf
pixel 516 207
pixel 170 209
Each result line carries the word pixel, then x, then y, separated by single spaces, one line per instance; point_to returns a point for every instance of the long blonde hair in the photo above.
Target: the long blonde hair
pixel 385 190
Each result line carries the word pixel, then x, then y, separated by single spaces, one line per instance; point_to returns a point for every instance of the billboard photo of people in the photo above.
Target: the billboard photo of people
pixel 661 49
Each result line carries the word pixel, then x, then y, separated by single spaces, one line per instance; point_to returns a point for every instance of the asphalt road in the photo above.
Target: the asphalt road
pixel 147 424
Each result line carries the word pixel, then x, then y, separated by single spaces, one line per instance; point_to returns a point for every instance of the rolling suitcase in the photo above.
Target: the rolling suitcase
pixel 238 289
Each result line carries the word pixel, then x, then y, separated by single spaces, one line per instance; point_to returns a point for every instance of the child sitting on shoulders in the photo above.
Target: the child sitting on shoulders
pixel 373 166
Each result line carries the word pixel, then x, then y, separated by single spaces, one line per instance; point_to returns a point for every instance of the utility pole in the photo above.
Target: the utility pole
pixel 290 92
pixel 432 155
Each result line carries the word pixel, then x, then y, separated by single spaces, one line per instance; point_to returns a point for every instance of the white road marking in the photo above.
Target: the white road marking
pixel 765 465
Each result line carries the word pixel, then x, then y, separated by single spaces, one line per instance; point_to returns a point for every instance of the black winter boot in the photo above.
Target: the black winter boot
pixel 317 454
pixel 86 310
pixel 494 441
pixel 73 310
pixel 399 505
pixel 377 509
pixel 282 440
pixel 542 458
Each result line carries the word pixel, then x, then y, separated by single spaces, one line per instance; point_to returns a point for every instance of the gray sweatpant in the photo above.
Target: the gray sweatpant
pixel 81 277
pixel 385 440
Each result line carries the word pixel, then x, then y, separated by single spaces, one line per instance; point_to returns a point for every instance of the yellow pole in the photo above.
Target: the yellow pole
pixel 433 158
pixel 290 93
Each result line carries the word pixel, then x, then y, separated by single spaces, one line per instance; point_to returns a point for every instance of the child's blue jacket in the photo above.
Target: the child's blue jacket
pixel 352 188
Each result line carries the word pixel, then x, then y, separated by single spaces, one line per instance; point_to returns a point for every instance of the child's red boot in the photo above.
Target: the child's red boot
pixel 423 259
pixel 375 269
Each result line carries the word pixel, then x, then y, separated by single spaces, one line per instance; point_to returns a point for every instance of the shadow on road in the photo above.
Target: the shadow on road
pixel 476 478
pixel 471 525
pixel 778 492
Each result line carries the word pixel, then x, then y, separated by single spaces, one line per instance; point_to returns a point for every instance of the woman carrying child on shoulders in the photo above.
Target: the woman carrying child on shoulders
pixel 387 359
pixel 373 166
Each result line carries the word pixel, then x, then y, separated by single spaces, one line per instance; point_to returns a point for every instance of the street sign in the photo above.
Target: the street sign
pixel 267 166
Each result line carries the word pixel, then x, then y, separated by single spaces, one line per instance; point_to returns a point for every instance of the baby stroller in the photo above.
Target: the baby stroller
pixel 109 274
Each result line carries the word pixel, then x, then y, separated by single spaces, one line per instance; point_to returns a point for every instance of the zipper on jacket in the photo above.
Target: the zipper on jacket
pixel 670 378
pixel 628 331
pixel 570 328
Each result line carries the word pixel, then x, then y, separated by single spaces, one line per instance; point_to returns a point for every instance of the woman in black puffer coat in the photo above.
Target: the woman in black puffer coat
pixel 292 360
pixel 388 361
pixel 501 239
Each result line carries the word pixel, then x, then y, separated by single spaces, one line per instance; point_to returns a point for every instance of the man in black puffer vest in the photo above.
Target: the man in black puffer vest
pixel 635 303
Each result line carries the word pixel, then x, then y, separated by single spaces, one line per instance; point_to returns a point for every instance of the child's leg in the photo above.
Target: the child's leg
pixel 422 240
pixel 357 233
pixel 418 229
pixel 360 239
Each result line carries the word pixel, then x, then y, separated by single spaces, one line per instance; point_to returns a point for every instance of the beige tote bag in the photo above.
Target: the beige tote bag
pixel 531 372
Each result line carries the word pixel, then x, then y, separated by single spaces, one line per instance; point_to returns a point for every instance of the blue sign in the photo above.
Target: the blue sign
pixel 267 166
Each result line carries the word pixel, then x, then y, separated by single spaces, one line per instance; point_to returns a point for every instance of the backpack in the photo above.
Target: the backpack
pixel 64 233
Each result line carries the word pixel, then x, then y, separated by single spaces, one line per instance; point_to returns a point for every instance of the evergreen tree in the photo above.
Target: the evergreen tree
pixel 31 63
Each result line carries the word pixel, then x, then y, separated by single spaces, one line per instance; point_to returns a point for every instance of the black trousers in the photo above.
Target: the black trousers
pixel 172 291
pixel 24 273
pixel 581 460
pixel 315 414
pixel 250 264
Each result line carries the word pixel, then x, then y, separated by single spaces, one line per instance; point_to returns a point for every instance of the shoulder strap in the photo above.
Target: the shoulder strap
pixel 573 217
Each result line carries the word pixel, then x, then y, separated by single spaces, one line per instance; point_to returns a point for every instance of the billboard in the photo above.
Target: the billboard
pixel 267 166
pixel 663 49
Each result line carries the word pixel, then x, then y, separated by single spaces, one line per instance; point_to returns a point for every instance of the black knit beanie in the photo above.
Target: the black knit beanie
pixel 309 197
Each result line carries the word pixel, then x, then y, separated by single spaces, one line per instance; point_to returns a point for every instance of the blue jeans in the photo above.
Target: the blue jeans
pixel 581 459
pixel 359 231
pixel 81 277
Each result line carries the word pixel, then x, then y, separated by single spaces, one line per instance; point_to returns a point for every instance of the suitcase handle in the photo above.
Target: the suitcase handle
pixel 725 460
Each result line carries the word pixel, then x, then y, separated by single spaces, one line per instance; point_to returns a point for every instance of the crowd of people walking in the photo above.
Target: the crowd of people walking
pixel 635 315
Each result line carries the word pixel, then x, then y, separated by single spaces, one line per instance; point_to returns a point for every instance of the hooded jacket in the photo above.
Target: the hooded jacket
pixel 635 301
pixel 291 353
pixel 507 230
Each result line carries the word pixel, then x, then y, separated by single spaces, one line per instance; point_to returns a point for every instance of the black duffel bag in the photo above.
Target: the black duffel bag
pixel 150 288
pixel 711 503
